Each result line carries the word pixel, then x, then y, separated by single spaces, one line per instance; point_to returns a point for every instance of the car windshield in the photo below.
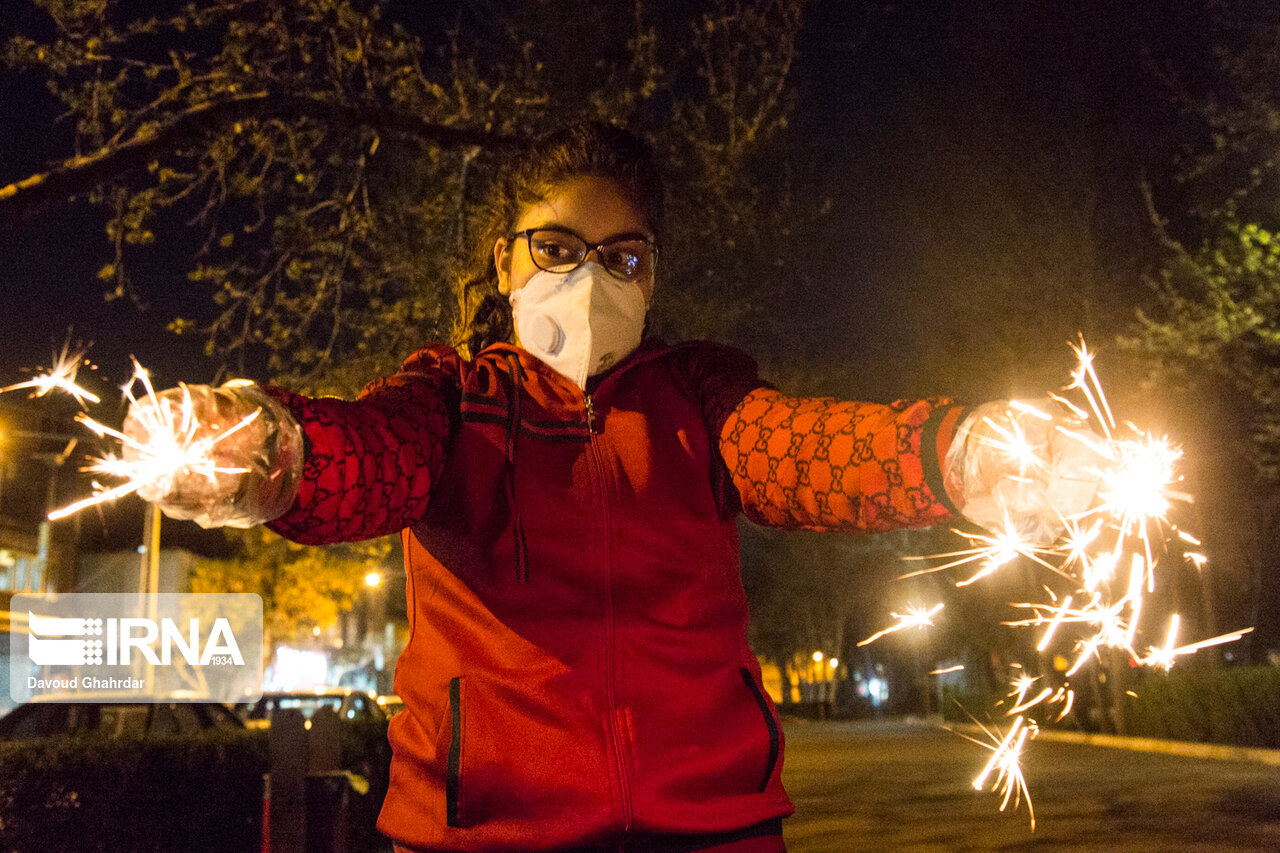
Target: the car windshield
pixel 305 703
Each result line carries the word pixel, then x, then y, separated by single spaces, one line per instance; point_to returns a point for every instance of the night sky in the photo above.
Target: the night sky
pixel 48 283
pixel 871 91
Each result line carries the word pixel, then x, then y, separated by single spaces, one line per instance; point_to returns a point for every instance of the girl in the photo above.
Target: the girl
pixel 577 675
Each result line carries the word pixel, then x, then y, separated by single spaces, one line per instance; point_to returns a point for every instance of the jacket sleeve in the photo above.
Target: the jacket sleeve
pixel 823 464
pixel 370 463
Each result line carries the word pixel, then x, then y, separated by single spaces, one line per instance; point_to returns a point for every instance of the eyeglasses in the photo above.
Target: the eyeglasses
pixel 629 257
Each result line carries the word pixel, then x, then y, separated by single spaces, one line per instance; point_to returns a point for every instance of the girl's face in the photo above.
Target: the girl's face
pixel 593 208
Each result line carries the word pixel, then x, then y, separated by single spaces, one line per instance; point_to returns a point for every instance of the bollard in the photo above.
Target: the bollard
pixel 266 813
pixel 286 823
pixel 327 787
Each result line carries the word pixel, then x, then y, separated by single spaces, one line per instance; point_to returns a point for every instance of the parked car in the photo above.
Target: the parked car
pixel 348 703
pixel 114 719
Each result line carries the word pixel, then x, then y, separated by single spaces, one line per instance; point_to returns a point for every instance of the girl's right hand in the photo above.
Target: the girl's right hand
pixel 219 456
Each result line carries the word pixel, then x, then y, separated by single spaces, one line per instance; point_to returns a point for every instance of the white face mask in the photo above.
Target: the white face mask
pixel 581 322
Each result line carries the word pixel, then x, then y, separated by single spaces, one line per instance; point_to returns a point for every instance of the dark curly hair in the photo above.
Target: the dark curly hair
pixel 585 149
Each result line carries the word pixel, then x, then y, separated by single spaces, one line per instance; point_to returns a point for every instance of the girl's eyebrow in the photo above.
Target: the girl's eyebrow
pixel 625 235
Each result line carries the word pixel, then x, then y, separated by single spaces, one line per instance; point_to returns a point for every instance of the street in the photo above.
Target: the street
pixel 893 786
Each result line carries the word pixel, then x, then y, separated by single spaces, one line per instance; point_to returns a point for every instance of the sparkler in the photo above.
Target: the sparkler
pixel 173 446
pixel 60 377
pixel 1101 569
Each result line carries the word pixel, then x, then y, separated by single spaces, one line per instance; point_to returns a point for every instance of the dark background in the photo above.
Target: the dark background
pixel 893 109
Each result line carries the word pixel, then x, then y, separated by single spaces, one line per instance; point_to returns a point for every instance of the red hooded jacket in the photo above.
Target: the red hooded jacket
pixel 577 672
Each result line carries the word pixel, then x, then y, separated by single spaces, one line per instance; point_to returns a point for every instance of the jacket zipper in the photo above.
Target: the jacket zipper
pixel 611 703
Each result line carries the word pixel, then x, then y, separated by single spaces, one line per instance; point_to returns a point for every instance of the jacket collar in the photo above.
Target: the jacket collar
pixel 650 349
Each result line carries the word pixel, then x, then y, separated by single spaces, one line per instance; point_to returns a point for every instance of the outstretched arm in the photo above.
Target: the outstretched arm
pixel 370 464
pixel 818 463
pixel 315 470
pixel 824 464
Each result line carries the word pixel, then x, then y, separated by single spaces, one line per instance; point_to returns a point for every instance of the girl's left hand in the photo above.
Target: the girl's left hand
pixel 1024 467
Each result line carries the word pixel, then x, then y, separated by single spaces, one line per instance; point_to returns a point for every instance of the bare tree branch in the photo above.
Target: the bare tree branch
pixel 78 175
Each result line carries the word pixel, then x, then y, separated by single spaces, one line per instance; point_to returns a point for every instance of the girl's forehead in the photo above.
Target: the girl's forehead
pixel 594 207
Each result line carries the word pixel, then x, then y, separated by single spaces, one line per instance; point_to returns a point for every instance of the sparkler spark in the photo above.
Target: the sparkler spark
pixel 1100 571
pixel 915 617
pixel 1163 658
pixel 173 446
pixel 60 377
pixel 990 551
pixel 1022 686
pixel 1005 764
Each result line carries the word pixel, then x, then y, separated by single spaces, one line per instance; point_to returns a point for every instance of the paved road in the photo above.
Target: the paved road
pixel 889 787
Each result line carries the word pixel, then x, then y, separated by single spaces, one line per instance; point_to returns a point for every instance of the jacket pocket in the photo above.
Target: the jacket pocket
pixel 508 756
pixel 453 767
pixel 771 725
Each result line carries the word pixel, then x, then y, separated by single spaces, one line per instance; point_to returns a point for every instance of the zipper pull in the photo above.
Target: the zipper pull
pixel 591 416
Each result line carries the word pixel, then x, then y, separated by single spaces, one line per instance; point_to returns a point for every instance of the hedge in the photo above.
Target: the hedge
pixel 92 794
pixel 1235 706
pixel 1239 706
pixel 160 794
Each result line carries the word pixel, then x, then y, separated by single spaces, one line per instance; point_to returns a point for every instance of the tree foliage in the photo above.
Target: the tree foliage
pixel 1213 325
pixel 1224 83
pixel 1210 335
pixel 330 155
pixel 302 587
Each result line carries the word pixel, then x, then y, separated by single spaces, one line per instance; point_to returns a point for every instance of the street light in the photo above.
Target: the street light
pixel 376 627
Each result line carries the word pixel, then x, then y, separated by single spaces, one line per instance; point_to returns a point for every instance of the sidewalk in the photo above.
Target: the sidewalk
pixel 1221 752
pixel 1166 747
pixel 907 786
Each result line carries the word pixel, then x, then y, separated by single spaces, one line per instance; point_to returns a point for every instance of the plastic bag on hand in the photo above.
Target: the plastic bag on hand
pixel 245 449
pixel 1023 467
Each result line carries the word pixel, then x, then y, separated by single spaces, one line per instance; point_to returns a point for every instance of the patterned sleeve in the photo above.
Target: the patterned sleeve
pixel 370 463
pixel 822 464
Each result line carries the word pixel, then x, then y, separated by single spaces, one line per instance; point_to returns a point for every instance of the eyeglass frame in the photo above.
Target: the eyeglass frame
pixel 528 233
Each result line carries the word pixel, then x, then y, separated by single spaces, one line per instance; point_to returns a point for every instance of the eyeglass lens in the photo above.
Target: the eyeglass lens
pixel 560 251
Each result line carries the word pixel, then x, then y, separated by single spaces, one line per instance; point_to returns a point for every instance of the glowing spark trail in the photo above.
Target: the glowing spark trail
pixel 915 617
pixel 1163 658
pixel 170 449
pixel 1021 687
pixel 60 377
pixel 990 552
pixel 1006 754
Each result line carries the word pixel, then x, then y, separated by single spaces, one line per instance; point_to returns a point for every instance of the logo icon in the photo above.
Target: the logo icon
pixel 51 640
